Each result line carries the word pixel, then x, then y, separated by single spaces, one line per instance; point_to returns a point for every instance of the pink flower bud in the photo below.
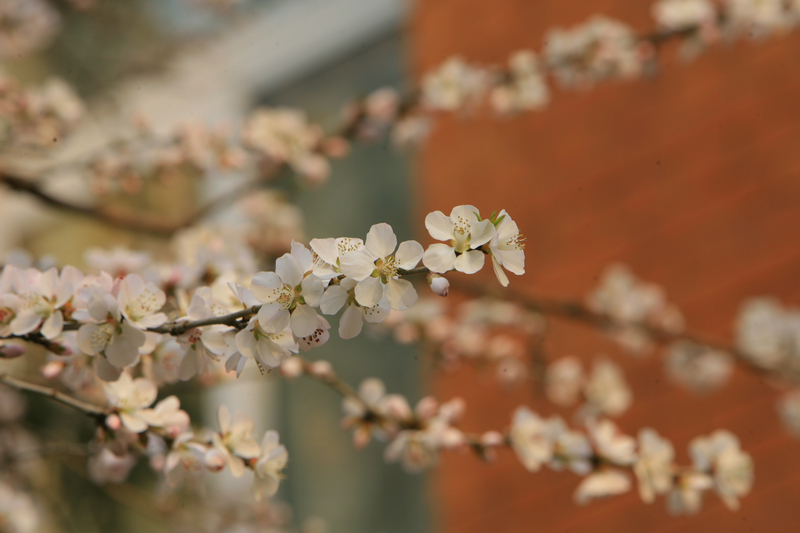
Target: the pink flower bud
pixel 215 460
pixel 492 438
pixel 439 285
pixel 292 367
pixel 396 407
pixel 52 369
pixel 11 351
pixel 321 369
pixel 427 407
pixel 113 422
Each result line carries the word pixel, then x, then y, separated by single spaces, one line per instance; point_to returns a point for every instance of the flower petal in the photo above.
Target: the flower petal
pixel 304 320
pixel 401 294
pixel 408 254
pixel 289 270
pixel 326 249
pixel 302 255
pixel 351 322
pixel 482 232
pixel 312 288
pixel 357 265
pixel 333 300
pixel 381 240
pixel 265 285
pixel 369 291
pixel 469 262
pixel 53 325
pixel 376 313
pixel 498 271
pixel 439 226
pixel 439 258
pixel 273 318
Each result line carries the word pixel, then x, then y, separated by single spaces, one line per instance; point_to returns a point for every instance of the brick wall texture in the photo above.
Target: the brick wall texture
pixel 692 178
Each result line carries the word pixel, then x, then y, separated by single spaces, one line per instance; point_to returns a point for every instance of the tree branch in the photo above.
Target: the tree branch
pixel 87 408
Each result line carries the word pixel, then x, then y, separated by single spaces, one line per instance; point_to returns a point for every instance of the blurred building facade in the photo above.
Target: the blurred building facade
pixel 692 179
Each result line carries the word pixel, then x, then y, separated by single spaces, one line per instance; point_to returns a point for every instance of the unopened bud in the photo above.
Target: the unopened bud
pixel 427 407
pixel 439 284
pixel 215 460
pixel 113 422
pixel 321 369
pixel 52 369
pixel 492 438
pixel 11 351
pixel 292 367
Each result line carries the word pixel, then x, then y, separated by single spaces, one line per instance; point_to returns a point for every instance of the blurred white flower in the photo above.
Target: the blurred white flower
pixel 654 468
pixel 698 367
pixel 602 484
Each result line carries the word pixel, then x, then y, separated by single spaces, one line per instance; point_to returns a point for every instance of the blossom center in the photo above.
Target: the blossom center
pixel 387 268
pixel 102 336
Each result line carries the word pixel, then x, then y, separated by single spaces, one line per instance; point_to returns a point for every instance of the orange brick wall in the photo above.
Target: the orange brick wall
pixel 692 178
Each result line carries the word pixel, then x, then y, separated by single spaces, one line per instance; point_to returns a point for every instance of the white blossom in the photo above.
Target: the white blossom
pixel 454 85
pixel 681 14
pixel 602 484
pixel 131 397
pixel 376 269
pixel 698 367
pixel 108 334
pixel 533 438
pixel 266 349
pixel 732 469
pixel 527 88
pixel 289 294
pixel 352 320
pixel 611 444
pixel 564 380
pixel 271 461
pixel 235 440
pixel 465 232
pixel 606 391
pixel 507 248
pixel 41 295
pixel 140 301
pixel 654 468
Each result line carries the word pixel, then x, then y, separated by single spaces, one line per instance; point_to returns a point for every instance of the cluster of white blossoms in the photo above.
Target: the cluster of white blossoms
pixel 174 450
pixel 599 49
pixel 768 335
pixel 698 367
pixel 603 455
pixel 604 392
pixel 118 319
pixel 633 306
pixel 484 332
pixel 27 26
pixel 39 116
pixel 284 136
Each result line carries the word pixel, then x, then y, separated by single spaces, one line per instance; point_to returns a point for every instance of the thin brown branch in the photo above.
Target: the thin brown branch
pixel 87 408
pixel 579 313
pixel 129 222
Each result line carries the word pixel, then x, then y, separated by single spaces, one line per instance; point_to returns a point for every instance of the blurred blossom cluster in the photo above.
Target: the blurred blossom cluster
pixel 604 391
pixel 634 306
pixel 599 49
pixel 486 332
pixel 604 453
pixel 253 294
pixel 37 117
pixel 27 26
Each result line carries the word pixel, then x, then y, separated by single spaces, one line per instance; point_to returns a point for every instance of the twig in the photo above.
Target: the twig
pixel 87 408
pixel 135 223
